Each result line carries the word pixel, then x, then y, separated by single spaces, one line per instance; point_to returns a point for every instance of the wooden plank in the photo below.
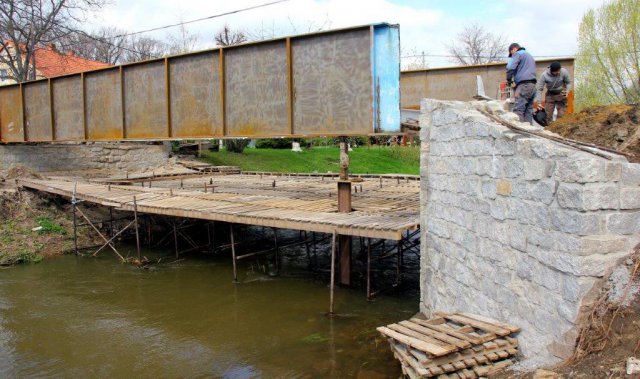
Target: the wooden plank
pixel 414 342
pixel 467 354
pixel 477 324
pixel 406 358
pixel 412 333
pixel 512 328
pixel 437 335
pixel 447 330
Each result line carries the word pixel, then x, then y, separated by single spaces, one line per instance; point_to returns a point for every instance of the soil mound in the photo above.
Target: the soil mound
pixel 21 172
pixel 613 126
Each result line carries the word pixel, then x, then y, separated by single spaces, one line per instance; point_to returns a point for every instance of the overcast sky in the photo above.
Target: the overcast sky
pixel 544 27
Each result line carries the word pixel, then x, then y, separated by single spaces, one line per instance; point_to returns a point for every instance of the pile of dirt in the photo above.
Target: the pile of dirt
pixel 21 172
pixel 613 126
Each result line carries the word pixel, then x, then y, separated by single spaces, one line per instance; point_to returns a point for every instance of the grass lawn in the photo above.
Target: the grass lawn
pixel 363 160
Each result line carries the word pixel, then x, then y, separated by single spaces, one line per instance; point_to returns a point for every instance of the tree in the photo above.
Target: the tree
pixel 141 48
pixel 183 41
pixel 475 45
pixel 106 45
pixel 608 59
pixel 413 60
pixel 228 37
pixel 26 25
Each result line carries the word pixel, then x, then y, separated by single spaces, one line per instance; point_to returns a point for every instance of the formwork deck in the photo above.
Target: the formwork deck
pixel 383 208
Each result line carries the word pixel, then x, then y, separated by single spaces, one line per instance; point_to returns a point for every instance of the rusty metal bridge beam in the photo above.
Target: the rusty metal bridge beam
pixel 340 83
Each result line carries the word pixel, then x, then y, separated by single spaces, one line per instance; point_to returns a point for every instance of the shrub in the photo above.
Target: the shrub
pixel 49 226
pixel 274 143
pixel 236 145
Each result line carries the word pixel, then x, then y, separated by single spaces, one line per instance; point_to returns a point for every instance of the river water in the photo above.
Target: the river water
pixel 95 317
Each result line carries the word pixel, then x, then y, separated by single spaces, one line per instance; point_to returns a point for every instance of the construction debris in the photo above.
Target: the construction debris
pixel 207 167
pixel 633 366
pixel 457 345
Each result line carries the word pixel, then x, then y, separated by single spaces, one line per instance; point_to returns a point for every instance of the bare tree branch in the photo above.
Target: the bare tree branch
pixel 183 41
pixel 228 37
pixel 26 25
pixel 475 45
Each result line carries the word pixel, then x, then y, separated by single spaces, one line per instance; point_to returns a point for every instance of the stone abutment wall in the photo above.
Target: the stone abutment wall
pixel 519 228
pixel 97 156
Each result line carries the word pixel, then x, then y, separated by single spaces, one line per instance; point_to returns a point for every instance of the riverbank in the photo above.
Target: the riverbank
pixel 34 227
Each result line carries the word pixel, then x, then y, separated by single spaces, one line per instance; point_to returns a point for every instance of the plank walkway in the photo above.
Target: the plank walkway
pixel 383 208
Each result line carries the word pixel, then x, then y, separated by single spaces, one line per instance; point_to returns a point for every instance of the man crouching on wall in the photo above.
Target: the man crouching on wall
pixel 558 83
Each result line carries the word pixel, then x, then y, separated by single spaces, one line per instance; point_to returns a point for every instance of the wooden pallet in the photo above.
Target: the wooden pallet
pixel 456 345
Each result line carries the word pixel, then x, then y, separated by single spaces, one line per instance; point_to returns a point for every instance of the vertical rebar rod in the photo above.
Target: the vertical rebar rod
pixel 315 251
pixel 213 237
pixel 75 229
pixel 175 239
pixel 398 262
pixel 333 272
pixel 277 251
pixel 368 268
pixel 233 254
pixel 110 222
pixel 75 223
pixel 306 247
pixel 135 219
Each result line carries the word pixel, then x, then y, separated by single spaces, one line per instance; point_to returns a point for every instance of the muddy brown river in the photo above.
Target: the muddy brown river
pixel 95 317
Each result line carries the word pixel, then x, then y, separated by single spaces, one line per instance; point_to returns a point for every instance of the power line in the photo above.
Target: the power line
pixel 199 19
pixel 478 56
pixel 106 38
pixel 505 57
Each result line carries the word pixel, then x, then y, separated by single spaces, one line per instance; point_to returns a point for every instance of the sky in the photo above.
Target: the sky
pixel 544 27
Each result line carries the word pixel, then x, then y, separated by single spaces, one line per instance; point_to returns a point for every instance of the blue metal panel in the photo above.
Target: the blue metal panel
pixel 386 78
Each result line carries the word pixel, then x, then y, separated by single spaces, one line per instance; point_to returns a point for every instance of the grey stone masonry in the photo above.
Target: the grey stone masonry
pixel 518 227
pixel 107 156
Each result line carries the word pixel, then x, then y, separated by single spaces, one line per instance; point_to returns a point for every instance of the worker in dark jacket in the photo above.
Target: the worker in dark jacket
pixel 558 83
pixel 521 69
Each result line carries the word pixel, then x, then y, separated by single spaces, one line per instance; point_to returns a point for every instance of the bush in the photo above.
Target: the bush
pixel 274 143
pixel 236 145
pixel 49 226
pixel 22 256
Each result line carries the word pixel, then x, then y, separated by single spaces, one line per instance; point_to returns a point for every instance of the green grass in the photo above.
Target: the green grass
pixel 22 256
pixel 49 226
pixel 363 160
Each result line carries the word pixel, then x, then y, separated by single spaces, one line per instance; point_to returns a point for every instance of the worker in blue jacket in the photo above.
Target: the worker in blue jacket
pixel 521 69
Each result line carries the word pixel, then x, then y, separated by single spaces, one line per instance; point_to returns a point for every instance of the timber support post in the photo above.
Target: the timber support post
pixel 75 223
pixel 368 268
pixel 175 238
pixel 233 254
pixel 344 206
pixel 135 219
pixel 333 271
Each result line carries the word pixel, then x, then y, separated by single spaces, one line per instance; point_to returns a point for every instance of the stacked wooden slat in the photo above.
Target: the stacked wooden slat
pixel 457 345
